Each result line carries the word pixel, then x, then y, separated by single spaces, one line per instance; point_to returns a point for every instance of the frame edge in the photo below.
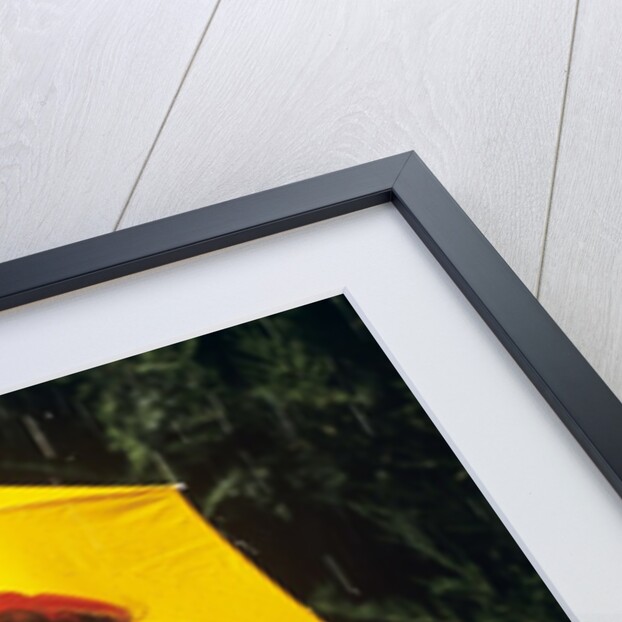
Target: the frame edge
pixel 120 253
pixel 569 384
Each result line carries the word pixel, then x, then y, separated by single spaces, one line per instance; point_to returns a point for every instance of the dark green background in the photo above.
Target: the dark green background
pixel 298 440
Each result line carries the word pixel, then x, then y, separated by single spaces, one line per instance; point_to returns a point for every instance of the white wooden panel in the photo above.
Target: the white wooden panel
pixel 284 90
pixel 582 276
pixel 84 87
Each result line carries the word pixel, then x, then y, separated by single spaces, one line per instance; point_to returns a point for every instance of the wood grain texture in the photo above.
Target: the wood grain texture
pixel 84 87
pixel 282 91
pixel 582 270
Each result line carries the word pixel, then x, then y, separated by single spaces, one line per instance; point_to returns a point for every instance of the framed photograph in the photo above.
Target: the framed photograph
pixel 328 401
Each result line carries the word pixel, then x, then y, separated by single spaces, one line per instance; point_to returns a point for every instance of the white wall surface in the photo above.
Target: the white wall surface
pixel 582 276
pixel 112 114
pixel 84 86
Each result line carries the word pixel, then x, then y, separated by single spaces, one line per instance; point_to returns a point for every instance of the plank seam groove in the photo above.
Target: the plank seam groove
pixel 193 56
pixel 547 217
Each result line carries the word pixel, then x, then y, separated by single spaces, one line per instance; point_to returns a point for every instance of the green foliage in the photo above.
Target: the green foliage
pixel 298 440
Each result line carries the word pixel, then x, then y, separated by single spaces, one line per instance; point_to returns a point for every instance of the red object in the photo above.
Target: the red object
pixel 54 606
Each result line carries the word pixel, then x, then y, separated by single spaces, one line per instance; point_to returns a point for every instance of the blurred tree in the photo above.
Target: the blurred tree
pixel 299 441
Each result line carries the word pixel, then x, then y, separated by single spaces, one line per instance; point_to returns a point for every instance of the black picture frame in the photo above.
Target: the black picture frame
pixel 557 369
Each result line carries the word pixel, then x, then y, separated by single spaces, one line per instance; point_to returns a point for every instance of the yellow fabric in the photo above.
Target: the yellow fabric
pixel 143 548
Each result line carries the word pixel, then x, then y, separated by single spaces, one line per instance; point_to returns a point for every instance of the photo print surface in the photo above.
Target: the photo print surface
pixel 279 470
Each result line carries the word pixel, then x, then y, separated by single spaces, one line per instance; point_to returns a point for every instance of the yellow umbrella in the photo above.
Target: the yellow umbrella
pixel 143 549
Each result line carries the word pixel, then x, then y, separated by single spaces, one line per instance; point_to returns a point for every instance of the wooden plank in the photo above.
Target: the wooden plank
pixel 84 87
pixel 283 91
pixel 582 271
